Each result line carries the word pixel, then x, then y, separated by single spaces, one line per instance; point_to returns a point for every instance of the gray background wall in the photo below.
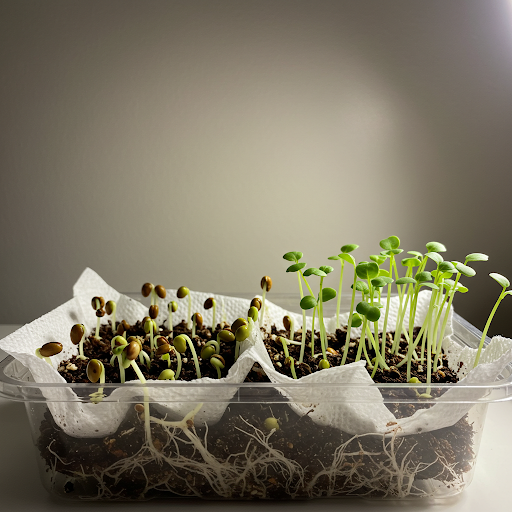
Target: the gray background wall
pixel 194 142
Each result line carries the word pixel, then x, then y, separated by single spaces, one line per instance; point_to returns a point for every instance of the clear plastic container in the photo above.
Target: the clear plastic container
pixel 242 457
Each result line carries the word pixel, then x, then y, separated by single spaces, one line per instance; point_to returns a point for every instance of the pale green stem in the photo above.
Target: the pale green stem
pixel 447 314
pixel 194 355
pixel 321 321
pixel 304 329
pixel 215 344
pixel 349 325
pixel 189 311
pixel 194 327
pixel 292 368
pixel 338 305
pixel 380 359
pixel 178 366
pixel 313 332
pixel 362 340
pixel 388 299
pixel 97 335
pixel 81 348
pixel 169 320
pixel 263 302
pixel 487 325
pixel 214 323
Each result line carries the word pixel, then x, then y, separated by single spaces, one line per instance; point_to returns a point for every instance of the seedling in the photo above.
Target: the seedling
pixel 110 309
pixel 48 350
pixel 77 336
pixel 98 304
pixel 289 325
pixel 252 313
pixel 172 307
pixel 297 268
pixel 211 303
pixel 344 250
pixel 95 373
pixel 309 302
pixel 256 303
pixel 505 283
pixel 150 328
pixel 217 361
pixel 197 323
pixel 180 344
pixel 266 285
pixel 148 289
pixel 166 375
pixel 122 328
pixel 183 292
pixel 242 330
pixel 117 345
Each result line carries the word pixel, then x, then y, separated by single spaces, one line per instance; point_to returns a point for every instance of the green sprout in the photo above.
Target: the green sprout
pixel 505 283
pixel 171 308
pixel 348 258
pixel 48 350
pixel 297 268
pixel 117 345
pixel 288 360
pixel 211 303
pixel 390 248
pixel 344 250
pixel 95 373
pixel 289 325
pixel 77 336
pixel 197 323
pixel 122 328
pixel 166 375
pixel 143 357
pixel 309 302
pixel 98 304
pixel 266 285
pixel 183 292
pixel 253 313
pixel 217 361
pixel 110 309
pixel 241 329
pixel 180 344
pixel 453 287
pixel 155 291
pixel 151 328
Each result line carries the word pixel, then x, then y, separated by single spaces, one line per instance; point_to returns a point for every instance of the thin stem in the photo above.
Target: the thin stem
pixel 487 325
pixel 304 325
pixel 321 321
pixel 97 335
pixel 189 311
pixel 349 325
pixel 313 332
pixel 263 302
pixel 338 305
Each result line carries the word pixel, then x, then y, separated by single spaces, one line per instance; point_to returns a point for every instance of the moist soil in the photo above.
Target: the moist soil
pixel 118 466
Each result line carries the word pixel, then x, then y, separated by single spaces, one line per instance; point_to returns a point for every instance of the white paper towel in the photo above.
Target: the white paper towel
pixel 361 410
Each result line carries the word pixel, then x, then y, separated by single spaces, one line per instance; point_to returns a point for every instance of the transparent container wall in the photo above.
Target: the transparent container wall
pixel 240 458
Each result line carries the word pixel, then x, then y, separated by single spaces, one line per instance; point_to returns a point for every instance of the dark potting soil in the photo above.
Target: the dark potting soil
pixel 301 459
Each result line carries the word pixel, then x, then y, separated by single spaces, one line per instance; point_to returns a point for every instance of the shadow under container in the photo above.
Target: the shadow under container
pixel 241 456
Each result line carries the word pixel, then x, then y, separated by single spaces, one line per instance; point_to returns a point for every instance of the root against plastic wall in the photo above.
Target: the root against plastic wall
pixel 239 458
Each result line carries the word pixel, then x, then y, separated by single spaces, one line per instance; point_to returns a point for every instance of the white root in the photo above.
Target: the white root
pixel 352 471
